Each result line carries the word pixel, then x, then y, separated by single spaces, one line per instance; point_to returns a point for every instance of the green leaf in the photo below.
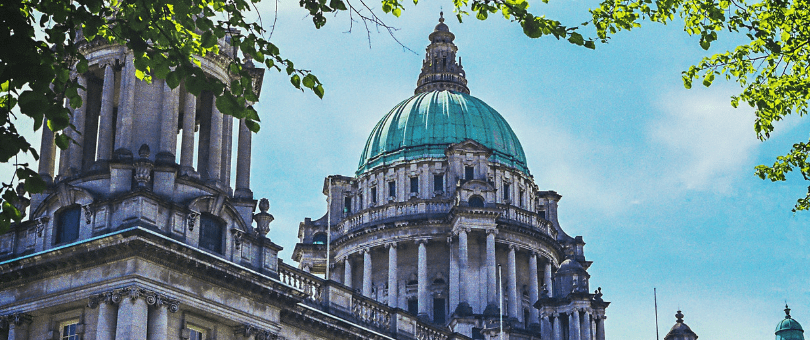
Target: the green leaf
pixel 309 81
pixel 252 126
pixel 318 91
pixel 34 184
pixel 173 79
pixel 62 141
pixel 296 81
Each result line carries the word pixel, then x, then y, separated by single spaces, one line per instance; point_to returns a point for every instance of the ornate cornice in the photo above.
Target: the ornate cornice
pixel 17 319
pixel 151 297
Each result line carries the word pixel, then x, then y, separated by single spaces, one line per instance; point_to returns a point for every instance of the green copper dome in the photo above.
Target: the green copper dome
pixel 789 329
pixel 424 125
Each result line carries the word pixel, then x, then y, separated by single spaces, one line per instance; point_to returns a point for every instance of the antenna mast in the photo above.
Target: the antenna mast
pixel 655 298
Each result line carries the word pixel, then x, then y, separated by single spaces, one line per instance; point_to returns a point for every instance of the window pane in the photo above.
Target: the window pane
pixel 469 172
pixel 438 183
pixel 438 311
pixel 210 234
pixel 67 225
pixel 373 195
pixel 506 191
pixel 392 189
pixel 68 331
pixel 414 184
pixel 347 205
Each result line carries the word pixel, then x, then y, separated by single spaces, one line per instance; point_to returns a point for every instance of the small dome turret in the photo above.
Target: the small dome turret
pixel 789 329
pixel 680 331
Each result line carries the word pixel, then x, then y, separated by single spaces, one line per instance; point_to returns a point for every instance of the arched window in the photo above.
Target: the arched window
pixel 319 238
pixel 476 202
pixel 67 224
pixel 211 233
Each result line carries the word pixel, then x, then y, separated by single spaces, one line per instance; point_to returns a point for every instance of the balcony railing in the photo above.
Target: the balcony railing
pixel 339 300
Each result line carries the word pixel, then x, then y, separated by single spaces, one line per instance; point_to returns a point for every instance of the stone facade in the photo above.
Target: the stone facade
pixel 460 240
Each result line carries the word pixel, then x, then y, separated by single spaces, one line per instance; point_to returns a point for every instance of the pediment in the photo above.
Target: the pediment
pixel 467 146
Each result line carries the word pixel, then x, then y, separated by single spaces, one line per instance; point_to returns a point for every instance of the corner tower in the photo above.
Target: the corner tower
pixel 443 198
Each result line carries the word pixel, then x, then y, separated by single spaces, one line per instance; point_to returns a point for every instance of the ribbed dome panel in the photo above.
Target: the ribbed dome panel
pixel 424 125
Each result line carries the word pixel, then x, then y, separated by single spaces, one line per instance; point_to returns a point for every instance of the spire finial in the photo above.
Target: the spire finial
pixel 787 311
pixel 441 16
pixel 679 316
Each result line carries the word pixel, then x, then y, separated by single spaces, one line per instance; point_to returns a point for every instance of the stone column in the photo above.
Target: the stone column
pixel 105 325
pixel 534 289
pixel 347 272
pixel 227 146
pixel 464 307
pixel 422 280
pixel 168 126
pixel 215 146
pixel 545 327
pixel 392 275
pixel 600 327
pixel 586 326
pixel 47 152
pixel 76 148
pixel 573 325
pixel 243 161
pixel 187 146
pixel 158 322
pixel 547 278
pixel 511 279
pixel 18 325
pixel 557 327
pixel 454 286
pixel 367 272
pixel 105 131
pixel 492 275
pixel 126 105
pixel 132 316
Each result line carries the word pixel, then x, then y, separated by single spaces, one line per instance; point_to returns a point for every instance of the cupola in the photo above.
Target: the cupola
pixel 789 329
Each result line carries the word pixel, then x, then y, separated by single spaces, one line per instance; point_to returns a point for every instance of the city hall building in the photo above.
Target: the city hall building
pixel 441 233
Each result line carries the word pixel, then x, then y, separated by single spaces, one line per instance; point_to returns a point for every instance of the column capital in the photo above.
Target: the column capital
pixel 514 247
pixel 151 298
pixel 366 250
pixel 247 330
pixel 17 319
pixel 450 240
pixel 392 244
pixel 492 232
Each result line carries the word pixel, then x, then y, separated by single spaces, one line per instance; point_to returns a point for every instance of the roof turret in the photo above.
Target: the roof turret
pixel 680 331
pixel 440 71
pixel 789 329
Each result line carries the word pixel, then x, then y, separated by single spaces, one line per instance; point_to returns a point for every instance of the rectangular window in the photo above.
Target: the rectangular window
pixel 392 189
pixel 67 225
pixel 469 173
pixel 67 330
pixel 347 205
pixel 414 184
pixel 438 311
pixel 195 333
pixel 521 198
pixel 413 306
pixel 438 182
pixel 506 188
pixel 374 195
pixel 361 202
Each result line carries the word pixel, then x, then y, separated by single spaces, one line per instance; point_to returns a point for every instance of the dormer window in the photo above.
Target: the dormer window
pixel 67 225
pixel 211 233
pixel 469 173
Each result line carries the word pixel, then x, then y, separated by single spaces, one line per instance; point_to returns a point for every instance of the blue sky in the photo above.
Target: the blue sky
pixel 656 178
pixel 659 180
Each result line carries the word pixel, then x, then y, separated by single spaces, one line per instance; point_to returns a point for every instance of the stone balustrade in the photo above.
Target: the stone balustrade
pixel 337 299
pixel 310 284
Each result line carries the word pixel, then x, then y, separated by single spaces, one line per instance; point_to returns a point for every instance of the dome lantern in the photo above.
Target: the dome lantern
pixel 440 71
pixel 789 329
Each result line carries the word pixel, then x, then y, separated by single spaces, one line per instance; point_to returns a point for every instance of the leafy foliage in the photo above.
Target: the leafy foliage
pixel 772 67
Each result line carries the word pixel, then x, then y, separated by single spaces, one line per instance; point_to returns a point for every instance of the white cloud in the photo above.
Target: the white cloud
pixel 706 143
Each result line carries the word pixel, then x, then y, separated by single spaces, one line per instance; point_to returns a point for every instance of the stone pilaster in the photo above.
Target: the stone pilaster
pixel 347 271
pixel 367 272
pixel 463 308
pixel 187 144
pixel 548 280
pixel 492 275
pixel 534 288
pixel 227 146
pixel 215 146
pixel 392 275
pixel 76 149
pixel 573 325
pixel 511 281
pixel 557 327
pixel 130 319
pixel 600 327
pixel 126 108
pixel 586 326
pixel 422 280
pixel 105 131
pixel 168 126
pixel 243 161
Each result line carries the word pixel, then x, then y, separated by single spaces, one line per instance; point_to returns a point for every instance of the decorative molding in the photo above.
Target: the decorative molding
pixel 41 222
pixel 191 219
pixel 88 213
pixel 17 319
pixel 247 330
pixel 151 298
pixel 237 237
